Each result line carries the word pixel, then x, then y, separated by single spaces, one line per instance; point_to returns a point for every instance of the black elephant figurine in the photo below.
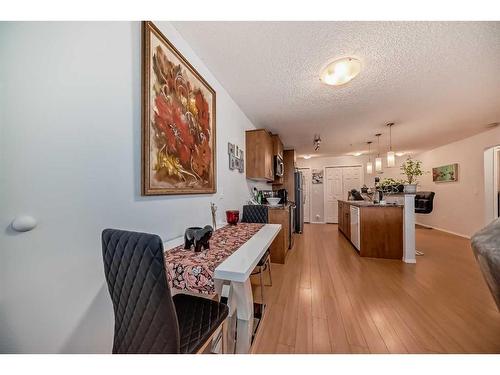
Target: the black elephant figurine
pixel 199 237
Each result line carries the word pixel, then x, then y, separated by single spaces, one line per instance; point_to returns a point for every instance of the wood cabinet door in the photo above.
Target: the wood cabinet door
pixel 341 216
pixel 269 159
pixel 346 213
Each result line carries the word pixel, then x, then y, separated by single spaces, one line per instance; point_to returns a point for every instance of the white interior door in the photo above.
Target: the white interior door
pixel 307 180
pixel 334 192
pixel 351 179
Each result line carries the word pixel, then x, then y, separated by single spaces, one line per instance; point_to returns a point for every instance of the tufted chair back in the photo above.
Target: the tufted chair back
pixel 145 317
pixel 424 202
pixel 255 214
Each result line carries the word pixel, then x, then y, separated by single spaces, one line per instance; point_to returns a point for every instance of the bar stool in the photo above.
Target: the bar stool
pixel 259 214
pixel 424 204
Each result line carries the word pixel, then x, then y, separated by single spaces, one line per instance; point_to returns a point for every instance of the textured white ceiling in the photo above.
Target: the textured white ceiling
pixel 438 81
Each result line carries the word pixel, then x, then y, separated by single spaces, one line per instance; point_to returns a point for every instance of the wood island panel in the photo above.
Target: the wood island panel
pixel 381 231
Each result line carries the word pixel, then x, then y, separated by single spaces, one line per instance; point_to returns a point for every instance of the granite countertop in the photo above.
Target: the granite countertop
pixel 370 204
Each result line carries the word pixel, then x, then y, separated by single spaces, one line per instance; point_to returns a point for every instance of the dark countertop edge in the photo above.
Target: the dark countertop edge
pixel 369 204
pixel 279 206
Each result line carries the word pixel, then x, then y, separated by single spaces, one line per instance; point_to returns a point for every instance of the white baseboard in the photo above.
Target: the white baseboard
pixel 317 222
pixel 443 230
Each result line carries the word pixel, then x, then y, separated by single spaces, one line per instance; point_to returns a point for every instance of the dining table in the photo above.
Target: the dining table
pixel 223 272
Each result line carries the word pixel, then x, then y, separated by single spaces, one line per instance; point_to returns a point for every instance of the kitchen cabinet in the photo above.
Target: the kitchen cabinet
pixel 279 247
pixel 344 219
pixel 277 145
pixel 259 161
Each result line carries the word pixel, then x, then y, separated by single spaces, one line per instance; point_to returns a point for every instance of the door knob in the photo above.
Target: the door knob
pixel 23 223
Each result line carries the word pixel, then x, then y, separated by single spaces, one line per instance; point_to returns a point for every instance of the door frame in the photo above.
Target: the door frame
pixel 309 192
pixel 324 187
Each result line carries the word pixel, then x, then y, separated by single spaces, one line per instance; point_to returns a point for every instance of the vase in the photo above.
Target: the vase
pixel 232 217
pixel 410 188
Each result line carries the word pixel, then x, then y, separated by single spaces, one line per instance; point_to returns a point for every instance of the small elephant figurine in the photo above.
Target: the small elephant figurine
pixel 199 237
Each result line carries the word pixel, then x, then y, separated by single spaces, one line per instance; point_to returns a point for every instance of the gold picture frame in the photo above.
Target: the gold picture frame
pixel 178 121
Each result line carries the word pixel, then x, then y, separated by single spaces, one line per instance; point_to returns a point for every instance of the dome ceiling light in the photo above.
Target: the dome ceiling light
pixel 340 71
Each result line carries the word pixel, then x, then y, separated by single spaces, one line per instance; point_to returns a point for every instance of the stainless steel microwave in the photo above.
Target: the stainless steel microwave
pixel 279 167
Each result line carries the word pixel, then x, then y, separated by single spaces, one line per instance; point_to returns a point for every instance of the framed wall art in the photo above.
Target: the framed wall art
pixel 178 121
pixel 445 173
pixel 317 176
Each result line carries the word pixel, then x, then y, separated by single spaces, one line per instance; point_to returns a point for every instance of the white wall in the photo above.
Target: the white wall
pixel 70 156
pixel 317 190
pixel 459 207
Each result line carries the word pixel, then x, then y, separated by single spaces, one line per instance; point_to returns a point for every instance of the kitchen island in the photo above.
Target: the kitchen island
pixel 380 230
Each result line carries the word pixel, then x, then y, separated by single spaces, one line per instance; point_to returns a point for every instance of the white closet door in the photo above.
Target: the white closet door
pixel 334 192
pixel 351 177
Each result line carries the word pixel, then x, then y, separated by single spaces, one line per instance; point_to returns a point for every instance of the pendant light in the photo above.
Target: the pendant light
pixel 391 157
pixel 369 165
pixel 378 159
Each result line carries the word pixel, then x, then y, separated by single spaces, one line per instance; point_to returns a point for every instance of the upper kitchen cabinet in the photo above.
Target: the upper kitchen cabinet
pixel 259 155
pixel 277 146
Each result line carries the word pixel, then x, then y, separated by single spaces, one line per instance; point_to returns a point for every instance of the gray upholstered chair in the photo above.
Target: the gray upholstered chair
pixel 147 318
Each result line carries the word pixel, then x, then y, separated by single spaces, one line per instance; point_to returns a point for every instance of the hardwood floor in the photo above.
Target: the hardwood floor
pixel 327 299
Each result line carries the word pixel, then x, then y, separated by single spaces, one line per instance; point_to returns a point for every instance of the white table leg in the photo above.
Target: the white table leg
pixel 243 299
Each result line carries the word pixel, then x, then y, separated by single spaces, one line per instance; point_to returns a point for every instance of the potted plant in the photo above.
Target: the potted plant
pixel 391 185
pixel 412 169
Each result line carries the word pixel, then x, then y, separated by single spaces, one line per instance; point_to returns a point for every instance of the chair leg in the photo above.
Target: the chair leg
pixel 261 284
pixel 224 338
pixel 269 269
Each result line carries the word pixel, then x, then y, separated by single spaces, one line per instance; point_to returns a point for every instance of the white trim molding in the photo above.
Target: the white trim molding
pixel 443 230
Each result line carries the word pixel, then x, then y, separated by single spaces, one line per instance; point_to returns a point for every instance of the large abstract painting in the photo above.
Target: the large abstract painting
pixel 178 121
pixel 446 173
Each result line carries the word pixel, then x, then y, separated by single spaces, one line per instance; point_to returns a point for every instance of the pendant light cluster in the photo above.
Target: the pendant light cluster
pixel 391 155
pixel 378 159
pixel 369 165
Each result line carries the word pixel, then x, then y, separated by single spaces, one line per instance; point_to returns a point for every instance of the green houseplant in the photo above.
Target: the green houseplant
pixel 412 169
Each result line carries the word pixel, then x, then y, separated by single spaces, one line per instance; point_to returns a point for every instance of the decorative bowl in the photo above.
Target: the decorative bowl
pixel 273 201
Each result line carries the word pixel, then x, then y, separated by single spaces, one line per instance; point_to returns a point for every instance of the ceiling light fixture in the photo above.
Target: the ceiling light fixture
pixel 316 142
pixel 378 159
pixel 340 71
pixel 391 158
pixel 307 157
pixel 369 165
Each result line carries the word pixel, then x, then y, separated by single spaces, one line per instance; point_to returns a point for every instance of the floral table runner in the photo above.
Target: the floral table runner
pixel 194 272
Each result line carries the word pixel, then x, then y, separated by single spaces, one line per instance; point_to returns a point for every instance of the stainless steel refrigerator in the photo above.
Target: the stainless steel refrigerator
pixel 299 201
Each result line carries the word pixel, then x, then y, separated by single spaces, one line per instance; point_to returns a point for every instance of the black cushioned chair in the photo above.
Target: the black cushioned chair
pixel 259 214
pixel 147 318
pixel 424 204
